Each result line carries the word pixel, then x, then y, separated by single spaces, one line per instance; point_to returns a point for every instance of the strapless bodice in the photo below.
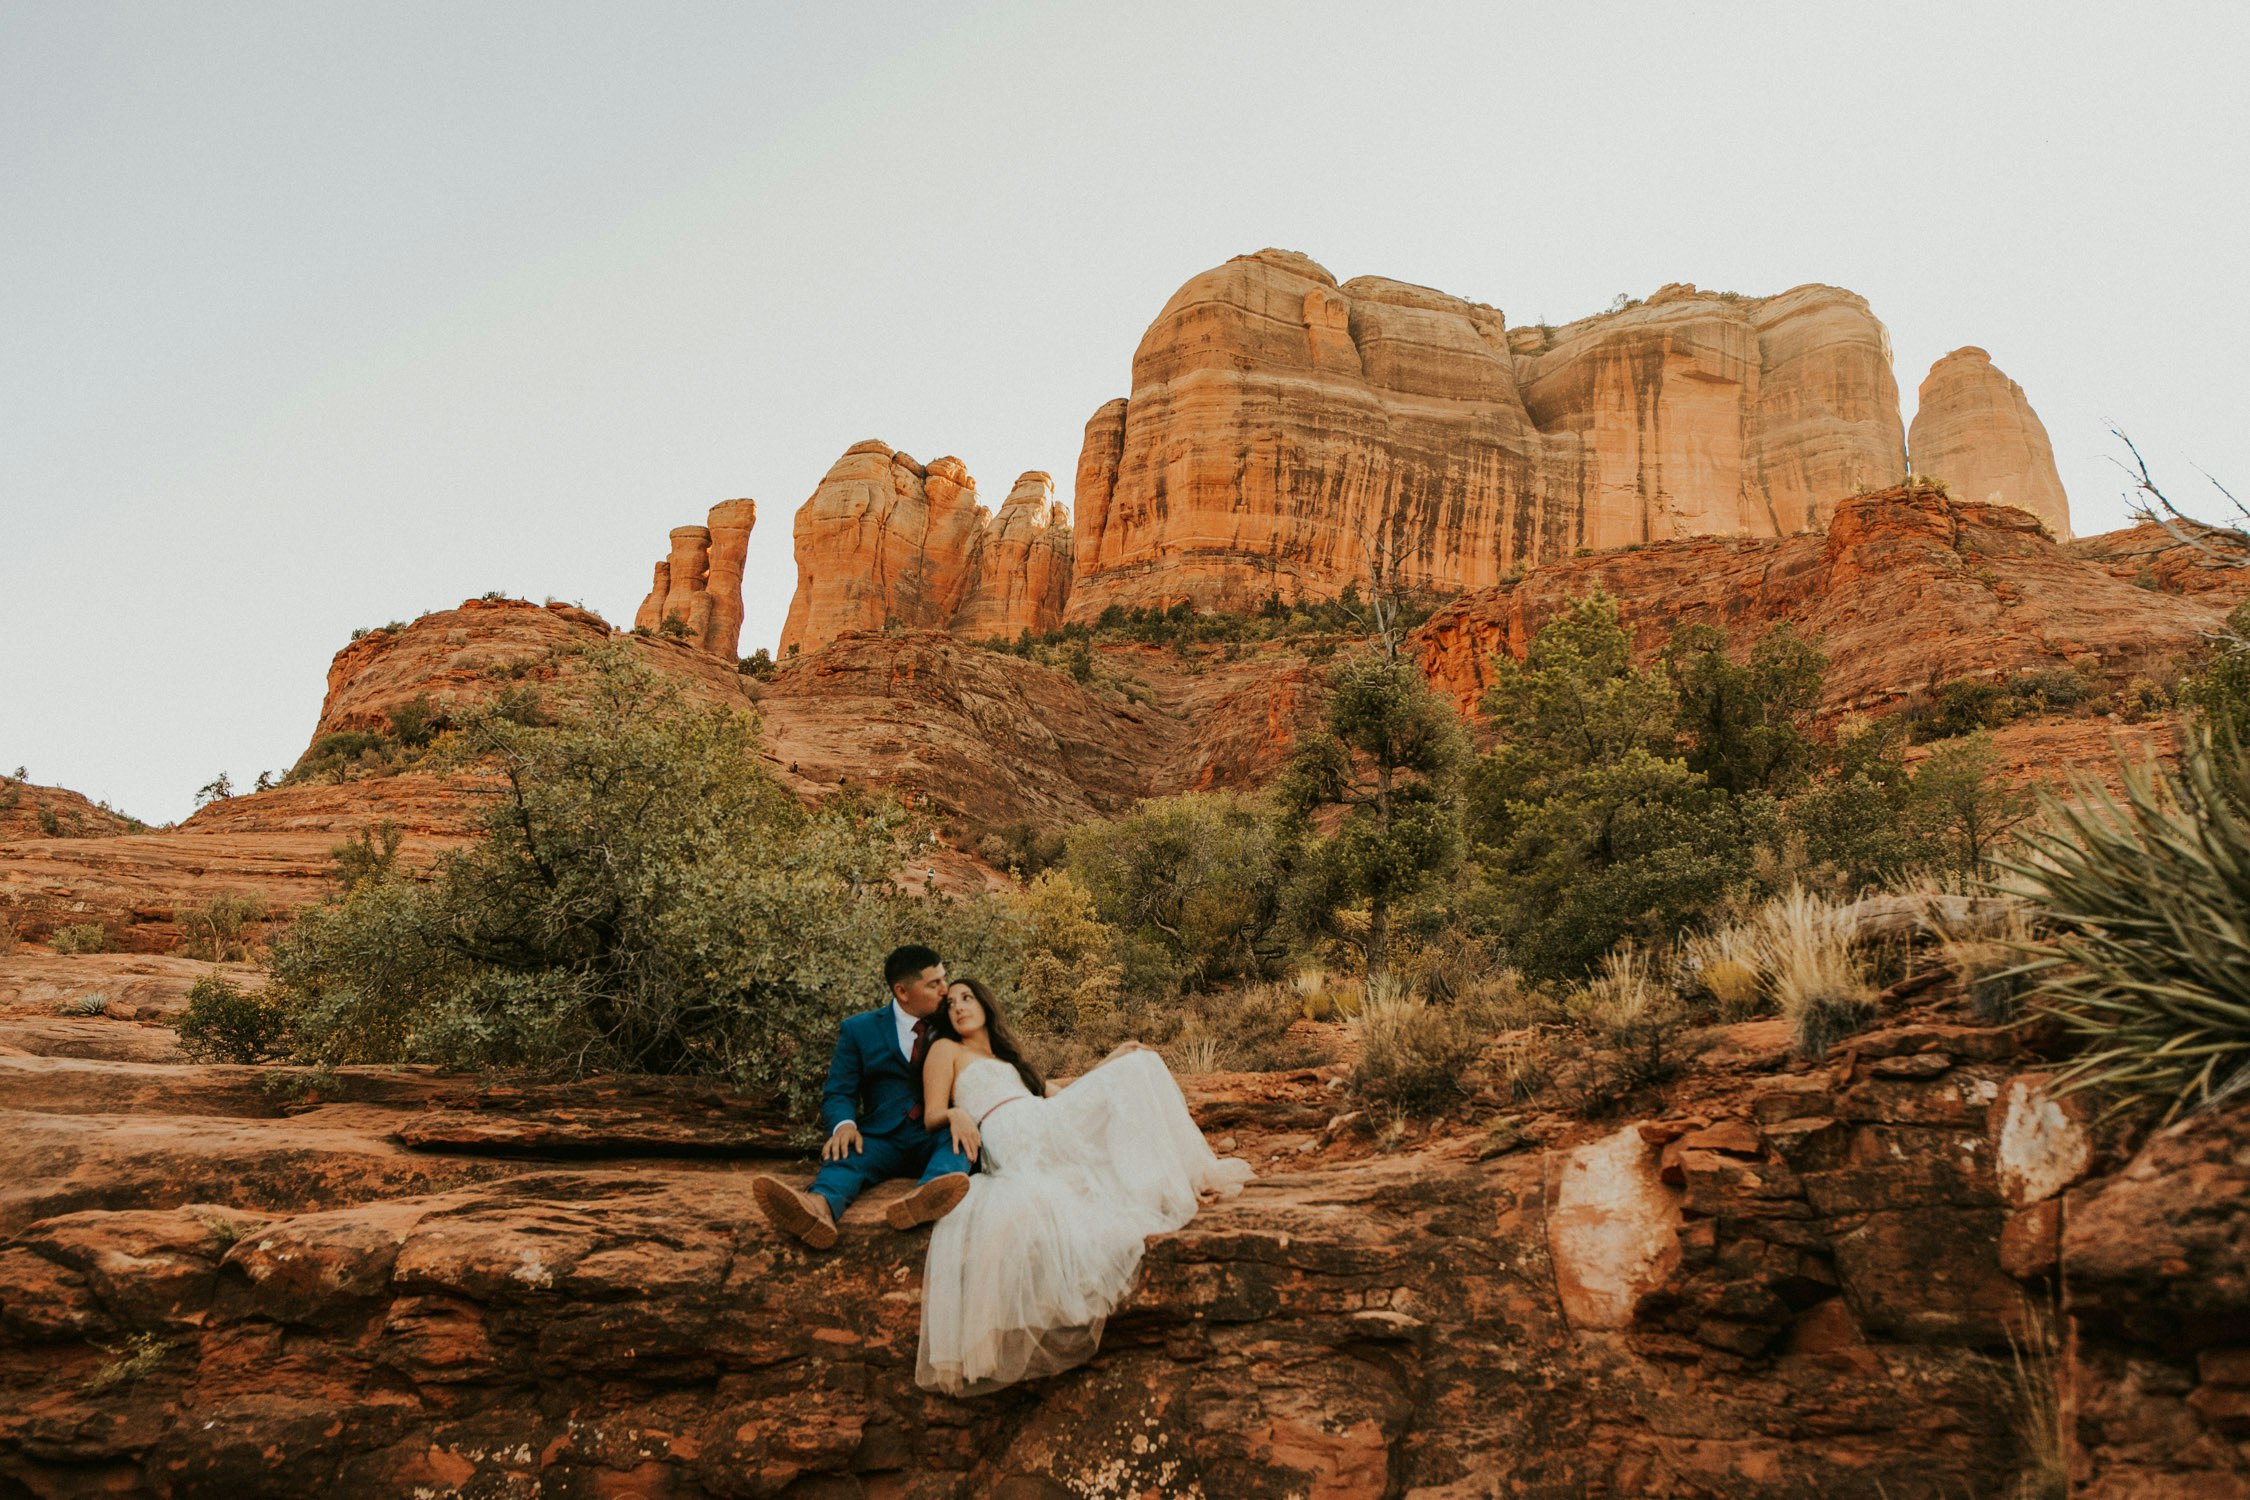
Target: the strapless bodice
pixel 986 1084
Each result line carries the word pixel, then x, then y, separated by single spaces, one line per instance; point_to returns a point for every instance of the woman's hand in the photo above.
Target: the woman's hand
pixel 966 1138
pixel 1124 1047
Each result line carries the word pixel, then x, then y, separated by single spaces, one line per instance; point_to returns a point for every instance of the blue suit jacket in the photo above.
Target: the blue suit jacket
pixel 868 1079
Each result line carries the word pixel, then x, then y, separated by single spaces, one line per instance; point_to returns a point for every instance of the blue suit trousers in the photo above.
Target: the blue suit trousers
pixel 907 1152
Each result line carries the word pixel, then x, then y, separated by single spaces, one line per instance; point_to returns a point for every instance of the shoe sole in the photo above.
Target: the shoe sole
pixel 785 1211
pixel 932 1201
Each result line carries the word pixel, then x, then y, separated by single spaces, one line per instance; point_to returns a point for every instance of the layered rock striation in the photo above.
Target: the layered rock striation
pixel 1974 429
pixel 699 582
pixel 1905 590
pixel 1289 434
pixel 886 542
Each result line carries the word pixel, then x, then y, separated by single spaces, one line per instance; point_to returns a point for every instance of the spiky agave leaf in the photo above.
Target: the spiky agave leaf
pixel 2147 897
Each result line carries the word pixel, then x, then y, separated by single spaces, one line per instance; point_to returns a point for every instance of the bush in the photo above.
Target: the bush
pixel 219 929
pixel 1242 1031
pixel 337 756
pixel 370 854
pixel 1046 952
pixel 418 721
pixel 645 897
pixel 1022 849
pixel 81 937
pixel 1191 884
pixel 223 1024
pixel 2220 693
pixel 1413 1056
pixel 2147 896
pixel 1385 758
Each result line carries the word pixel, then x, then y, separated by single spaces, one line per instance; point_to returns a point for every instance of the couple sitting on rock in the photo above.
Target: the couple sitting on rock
pixel 1043 1196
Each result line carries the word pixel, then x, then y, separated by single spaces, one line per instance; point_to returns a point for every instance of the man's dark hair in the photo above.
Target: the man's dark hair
pixel 908 962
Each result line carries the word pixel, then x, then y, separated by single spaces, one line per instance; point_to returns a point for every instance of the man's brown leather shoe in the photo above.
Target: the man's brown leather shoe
pixel 798 1215
pixel 932 1200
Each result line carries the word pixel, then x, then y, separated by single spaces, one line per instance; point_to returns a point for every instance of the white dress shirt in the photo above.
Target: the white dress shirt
pixel 905 1024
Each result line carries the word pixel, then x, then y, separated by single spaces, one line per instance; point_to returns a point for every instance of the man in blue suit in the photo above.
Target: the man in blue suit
pixel 872 1111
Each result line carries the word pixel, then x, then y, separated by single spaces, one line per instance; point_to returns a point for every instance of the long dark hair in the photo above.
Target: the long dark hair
pixel 995 1031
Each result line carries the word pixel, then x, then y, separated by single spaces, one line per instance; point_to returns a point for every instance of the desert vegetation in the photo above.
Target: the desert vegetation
pixel 1636 851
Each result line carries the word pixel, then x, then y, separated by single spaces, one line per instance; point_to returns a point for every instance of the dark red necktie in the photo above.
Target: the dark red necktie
pixel 914 1064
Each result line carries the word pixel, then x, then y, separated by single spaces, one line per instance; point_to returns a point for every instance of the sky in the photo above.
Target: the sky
pixel 316 316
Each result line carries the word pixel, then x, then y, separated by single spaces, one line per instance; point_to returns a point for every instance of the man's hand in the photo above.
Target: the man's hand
pixel 843 1143
pixel 966 1140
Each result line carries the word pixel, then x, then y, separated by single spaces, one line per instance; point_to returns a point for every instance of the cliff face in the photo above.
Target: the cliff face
pixel 1974 429
pixel 699 583
pixel 1283 431
pixel 887 542
pixel 1905 589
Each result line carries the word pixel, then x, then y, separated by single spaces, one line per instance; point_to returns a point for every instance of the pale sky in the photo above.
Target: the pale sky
pixel 317 316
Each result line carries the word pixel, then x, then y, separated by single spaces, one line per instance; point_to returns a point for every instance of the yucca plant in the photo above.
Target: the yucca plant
pixel 2146 896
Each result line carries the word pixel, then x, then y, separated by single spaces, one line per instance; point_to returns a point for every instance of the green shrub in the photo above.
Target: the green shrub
pixel 2147 895
pixel 1045 951
pixel 339 755
pixel 81 937
pixel 417 721
pixel 1190 883
pixel 1022 849
pixel 2219 694
pixel 370 854
pixel 1384 761
pixel 219 930
pixel 224 1024
pixel 645 897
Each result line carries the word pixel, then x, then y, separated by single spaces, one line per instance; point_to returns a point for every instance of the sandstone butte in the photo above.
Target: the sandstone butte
pixel 1287 434
pixel 1974 430
pixel 885 542
pixel 1284 433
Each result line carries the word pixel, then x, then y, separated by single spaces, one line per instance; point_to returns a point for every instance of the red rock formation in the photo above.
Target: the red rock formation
pixel 886 544
pixel 1974 429
pixel 1906 590
pixel 2153 558
pixel 30 811
pixel 1284 431
pixel 1020 578
pixel 2154 1270
pixel 1796 1266
pixel 700 583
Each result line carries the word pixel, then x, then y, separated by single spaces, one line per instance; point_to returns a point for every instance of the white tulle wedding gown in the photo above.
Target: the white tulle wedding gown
pixel 1024 1272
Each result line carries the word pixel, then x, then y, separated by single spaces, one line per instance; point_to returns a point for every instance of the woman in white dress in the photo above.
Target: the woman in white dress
pixel 1070 1183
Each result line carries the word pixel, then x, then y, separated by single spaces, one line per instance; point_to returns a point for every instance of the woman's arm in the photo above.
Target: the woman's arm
pixel 938 1068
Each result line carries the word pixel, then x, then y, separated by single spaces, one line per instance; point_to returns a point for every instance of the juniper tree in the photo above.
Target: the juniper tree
pixel 1386 754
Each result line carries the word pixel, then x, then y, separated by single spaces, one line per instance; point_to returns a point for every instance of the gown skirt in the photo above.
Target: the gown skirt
pixel 1025 1271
